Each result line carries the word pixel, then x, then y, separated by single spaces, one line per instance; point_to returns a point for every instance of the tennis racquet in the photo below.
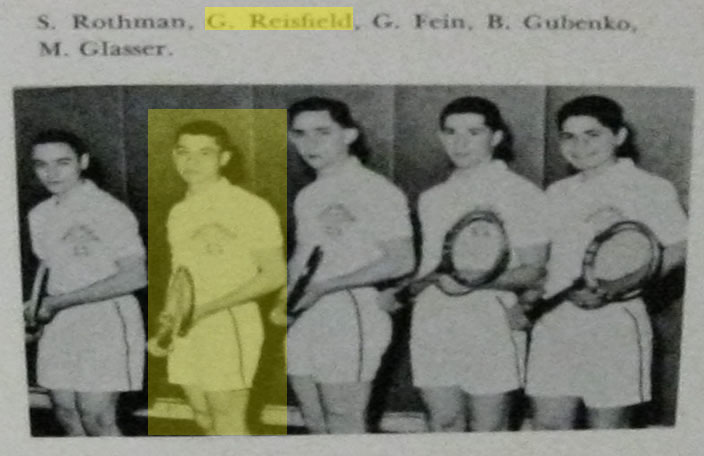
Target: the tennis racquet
pixel 299 288
pixel 618 263
pixel 33 330
pixel 475 252
pixel 179 311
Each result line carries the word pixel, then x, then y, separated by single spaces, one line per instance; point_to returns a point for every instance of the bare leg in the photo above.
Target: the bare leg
pixel 489 413
pixel 198 403
pixel 228 410
pixel 609 418
pixel 309 401
pixel 345 406
pixel 555 413
pixel 99 413
pixel 446 409
pixel 66 412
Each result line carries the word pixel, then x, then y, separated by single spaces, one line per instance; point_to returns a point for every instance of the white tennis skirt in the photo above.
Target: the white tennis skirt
pixel 341 339
pixel 97 347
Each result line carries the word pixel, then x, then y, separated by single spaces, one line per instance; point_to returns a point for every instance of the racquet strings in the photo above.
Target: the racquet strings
pixel 478 247
pixel 623 261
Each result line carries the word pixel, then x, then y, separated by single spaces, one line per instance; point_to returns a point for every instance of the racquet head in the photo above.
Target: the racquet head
pixel 622 260
pixel 185 301
pixel 476 249
pixel 180 302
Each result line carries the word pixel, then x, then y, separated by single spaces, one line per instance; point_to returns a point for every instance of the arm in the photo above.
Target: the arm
pixel 271 276
pixel 529 273
pixel 397 259
pixel 673 256
pixel 131 276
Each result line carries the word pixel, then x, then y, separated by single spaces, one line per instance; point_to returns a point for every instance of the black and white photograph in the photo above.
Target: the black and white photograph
pixel 460 258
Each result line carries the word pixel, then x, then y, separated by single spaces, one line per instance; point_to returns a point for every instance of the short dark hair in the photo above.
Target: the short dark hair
pixel 607 112
pixel 206 128
pixel 492 119
pixel 63 137
pixel 340 113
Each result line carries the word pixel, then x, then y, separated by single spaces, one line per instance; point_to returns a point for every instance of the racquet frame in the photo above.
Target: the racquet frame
pixel 33 328
pixel 446 264
pixel 588 279
pixel 299 288
pixel 180 296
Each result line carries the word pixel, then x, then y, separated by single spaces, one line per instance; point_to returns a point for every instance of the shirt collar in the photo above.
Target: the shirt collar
pixel 77 195
pixel 484 170
pixel 351 165
pixel 622 165
pixel 211 191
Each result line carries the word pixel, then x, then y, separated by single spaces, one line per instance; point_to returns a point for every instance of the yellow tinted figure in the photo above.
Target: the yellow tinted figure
pixel 230 241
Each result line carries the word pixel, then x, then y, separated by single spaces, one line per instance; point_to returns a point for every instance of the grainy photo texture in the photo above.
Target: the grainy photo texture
pixel 460 258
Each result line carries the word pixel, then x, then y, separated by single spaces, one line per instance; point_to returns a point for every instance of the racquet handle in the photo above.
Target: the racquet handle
pixel 33 328
pixel 164 337
pixel 545 306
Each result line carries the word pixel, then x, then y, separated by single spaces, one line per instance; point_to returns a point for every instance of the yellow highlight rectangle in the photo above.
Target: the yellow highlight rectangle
pixel 278 18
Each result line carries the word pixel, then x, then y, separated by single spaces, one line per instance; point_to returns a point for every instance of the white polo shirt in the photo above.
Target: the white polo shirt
pixel 577 204
pixel 81 237
pixel 348 214
pixel 492 186
pixel 214 232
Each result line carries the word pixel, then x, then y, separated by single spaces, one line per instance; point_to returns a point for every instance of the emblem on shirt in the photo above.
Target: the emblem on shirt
pixel 605 217
pixel 335 220
pixel 212 239
pixel 81 239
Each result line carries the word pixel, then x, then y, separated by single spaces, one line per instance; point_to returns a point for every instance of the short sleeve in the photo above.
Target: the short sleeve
pixel 176 259
pixel 430 234
pixel 390 214
pixel 664 214
pixel 304 237
pixel 122 232
pixel 36 234
pixel 527 217
pixel 264 227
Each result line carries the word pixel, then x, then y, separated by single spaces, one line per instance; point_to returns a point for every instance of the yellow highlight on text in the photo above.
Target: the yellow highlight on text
pixel 278 18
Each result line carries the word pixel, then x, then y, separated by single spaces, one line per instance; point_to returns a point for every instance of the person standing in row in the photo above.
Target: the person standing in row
pixel 360 220
pixel 598 358
pixel 468 351
pixel 230 241
pixel 92 344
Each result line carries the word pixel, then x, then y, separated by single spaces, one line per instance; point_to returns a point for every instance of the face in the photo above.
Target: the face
pixel 321 141
pixel 588 144
pixel 467 140
pixel 199 158
pixel 58 167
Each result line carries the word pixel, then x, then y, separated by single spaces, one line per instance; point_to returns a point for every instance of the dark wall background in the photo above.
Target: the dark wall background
pixel 419 161
pixel 400 124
